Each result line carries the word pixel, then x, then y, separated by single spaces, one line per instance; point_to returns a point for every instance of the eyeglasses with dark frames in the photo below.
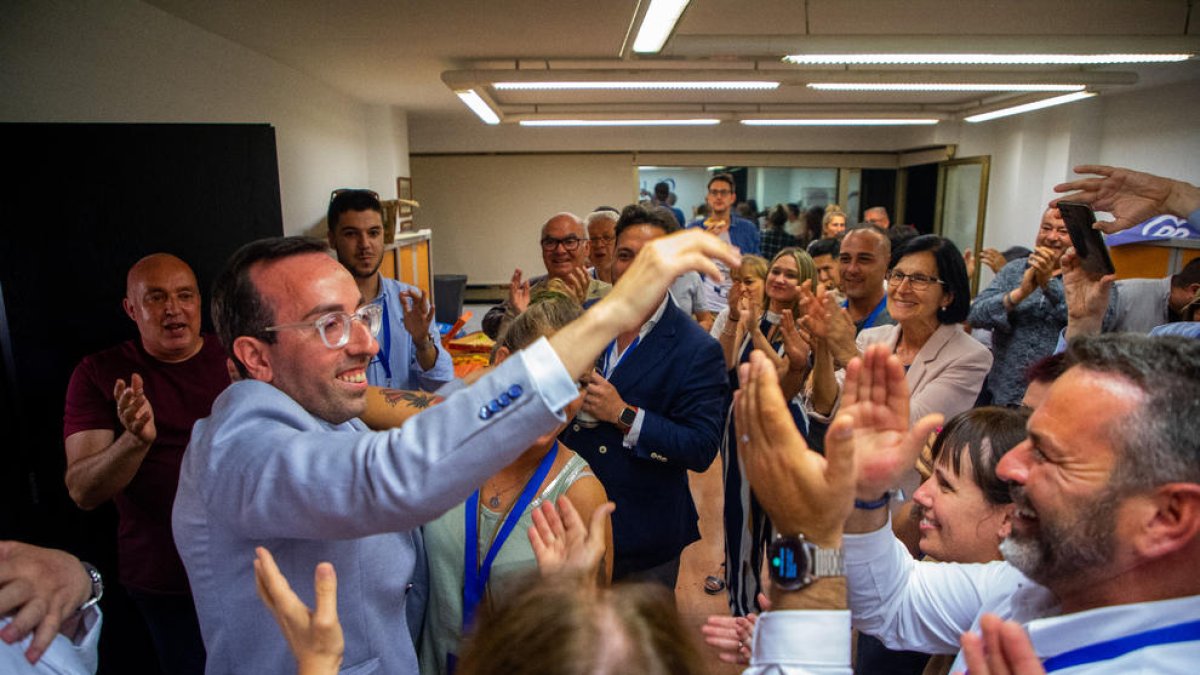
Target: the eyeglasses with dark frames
pixel 568 244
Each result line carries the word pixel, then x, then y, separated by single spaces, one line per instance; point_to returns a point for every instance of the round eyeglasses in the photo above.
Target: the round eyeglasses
pixel 335 327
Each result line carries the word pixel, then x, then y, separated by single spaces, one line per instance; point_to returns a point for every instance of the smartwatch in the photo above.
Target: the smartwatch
pixel 97 587
pixel 794 562
pixel 628 417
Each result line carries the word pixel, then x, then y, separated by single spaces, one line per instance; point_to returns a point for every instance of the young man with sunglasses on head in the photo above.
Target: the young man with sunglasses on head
pixel 410 355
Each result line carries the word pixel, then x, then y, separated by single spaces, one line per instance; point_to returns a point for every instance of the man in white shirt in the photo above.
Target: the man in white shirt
pixel 1106 534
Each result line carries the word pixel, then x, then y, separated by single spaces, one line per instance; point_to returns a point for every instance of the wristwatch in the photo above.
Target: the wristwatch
pixel 795 562
pixel 627 417
pixel 97 587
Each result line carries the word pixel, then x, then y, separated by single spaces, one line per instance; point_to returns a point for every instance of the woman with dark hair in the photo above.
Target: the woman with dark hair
pixel 776 238
pixel 928 294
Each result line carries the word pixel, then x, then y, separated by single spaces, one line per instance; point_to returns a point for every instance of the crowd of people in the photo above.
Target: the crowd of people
pixel 1009 483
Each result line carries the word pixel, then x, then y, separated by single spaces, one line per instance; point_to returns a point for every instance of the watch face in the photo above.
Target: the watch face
pixel 789 563
pixel 628 417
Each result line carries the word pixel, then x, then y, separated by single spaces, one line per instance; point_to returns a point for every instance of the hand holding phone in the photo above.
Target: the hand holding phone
pixel 1088 241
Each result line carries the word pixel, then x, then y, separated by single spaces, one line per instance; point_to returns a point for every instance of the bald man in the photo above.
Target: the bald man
pixel 129 414
pixel 565 250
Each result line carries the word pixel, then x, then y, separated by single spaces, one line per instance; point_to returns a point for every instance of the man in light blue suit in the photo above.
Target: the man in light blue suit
pixel 283 461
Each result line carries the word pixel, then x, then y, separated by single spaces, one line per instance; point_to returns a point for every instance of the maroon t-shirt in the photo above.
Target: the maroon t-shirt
pixel 180 394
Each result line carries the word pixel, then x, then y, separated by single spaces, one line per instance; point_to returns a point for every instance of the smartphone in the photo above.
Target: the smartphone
pixel 1088 242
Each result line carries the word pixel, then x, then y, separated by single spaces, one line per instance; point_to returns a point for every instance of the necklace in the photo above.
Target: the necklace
pixel 494 501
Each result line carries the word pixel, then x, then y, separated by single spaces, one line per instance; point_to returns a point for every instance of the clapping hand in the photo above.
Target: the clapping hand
pixel 561 542
pixel 578 282
pixel 134 410
pixel 518 292
pixel 875 403
pixel 732 635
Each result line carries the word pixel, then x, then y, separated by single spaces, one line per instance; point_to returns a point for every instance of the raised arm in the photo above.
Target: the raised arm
pixel 1130 196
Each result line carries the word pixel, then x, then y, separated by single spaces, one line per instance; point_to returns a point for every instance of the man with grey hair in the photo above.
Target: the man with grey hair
pixel 565 253
pixel 601 228
pixel 1100 564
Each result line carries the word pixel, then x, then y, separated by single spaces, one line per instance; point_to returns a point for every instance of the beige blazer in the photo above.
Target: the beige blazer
pixel 946 375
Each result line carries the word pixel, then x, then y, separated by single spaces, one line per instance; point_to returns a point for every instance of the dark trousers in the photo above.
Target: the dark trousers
pixel 665 574
pixel 175 631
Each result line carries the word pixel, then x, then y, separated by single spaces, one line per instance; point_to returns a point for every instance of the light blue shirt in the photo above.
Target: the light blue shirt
pixel 398 350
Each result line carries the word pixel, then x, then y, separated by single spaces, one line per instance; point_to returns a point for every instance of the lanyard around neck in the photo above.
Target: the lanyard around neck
pixel 385 345
pixel 1111 649
pixel 610 356
pixel 475 575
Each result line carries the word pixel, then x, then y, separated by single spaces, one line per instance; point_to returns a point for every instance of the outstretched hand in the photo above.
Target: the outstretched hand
pixel 1130 196
pixel 561 542
pixel 1004 649
pixel 134 409
pixel 314 636
pixel 801 491
pixel 875 404
pixel 578 281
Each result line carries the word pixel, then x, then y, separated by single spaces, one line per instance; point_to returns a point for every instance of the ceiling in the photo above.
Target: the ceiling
pixel 413 53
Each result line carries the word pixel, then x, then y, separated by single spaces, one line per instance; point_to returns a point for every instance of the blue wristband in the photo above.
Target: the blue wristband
pixel 877 504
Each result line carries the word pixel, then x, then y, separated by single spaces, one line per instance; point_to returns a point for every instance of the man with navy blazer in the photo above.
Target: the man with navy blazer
pixel 284 463
pixel 658 394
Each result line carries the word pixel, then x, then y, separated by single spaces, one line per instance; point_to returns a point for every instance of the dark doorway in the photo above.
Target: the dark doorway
pixel 920 196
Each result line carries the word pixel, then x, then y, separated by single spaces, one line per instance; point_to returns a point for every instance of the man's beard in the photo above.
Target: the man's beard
pixel 359 275
pixel 1065 552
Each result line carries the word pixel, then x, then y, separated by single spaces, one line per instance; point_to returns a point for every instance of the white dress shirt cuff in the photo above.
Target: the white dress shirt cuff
pixel 804 641
pixel 546 370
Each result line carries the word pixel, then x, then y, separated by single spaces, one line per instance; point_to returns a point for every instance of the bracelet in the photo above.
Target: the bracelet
pixel 872 506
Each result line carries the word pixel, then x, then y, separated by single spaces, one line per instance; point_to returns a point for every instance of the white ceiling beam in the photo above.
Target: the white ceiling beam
pixel 708 46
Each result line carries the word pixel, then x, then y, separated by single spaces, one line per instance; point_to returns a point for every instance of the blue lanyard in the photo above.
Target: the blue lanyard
pixel 1111 649
pixel 385 346
pixel 870 320
pixel 475 576
pixel 610 354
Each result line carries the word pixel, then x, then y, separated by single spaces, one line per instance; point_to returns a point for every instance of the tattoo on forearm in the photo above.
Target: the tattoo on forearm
pixel 413 399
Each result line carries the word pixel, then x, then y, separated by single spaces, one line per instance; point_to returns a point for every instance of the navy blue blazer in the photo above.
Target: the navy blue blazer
pixel 677 375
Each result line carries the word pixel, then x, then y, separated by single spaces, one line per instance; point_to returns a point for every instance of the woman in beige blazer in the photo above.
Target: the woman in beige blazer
pixel 929 297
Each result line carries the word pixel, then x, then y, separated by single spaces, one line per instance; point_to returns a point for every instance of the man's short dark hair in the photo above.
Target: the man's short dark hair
pixel 655 216
pixel 1160 442
pixel 351 200
pixel 237 307
pixel 725 177
pixel 1190 274
pixel 662 190
pixel 950 269
pixel 827 246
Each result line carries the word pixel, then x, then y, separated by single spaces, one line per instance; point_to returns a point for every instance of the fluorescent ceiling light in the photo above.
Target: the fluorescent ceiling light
pixel 1036 105
pixel 966 86
pixel 682 84
pixel 478 106
pixel 657 25
pixel 620 123
pixel 980 59
pixel 850 122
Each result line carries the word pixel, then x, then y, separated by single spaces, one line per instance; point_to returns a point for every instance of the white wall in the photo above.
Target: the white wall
pixel 1155 130
pixel 125 61
pixel 486 211
pixel 691 184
